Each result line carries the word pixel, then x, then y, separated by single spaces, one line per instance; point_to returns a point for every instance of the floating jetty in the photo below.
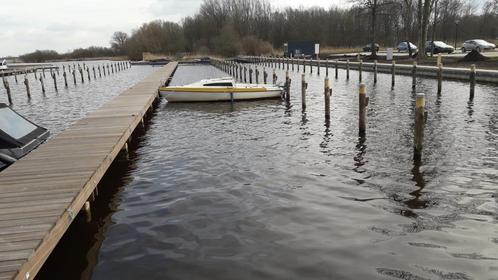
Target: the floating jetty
pixel 42 193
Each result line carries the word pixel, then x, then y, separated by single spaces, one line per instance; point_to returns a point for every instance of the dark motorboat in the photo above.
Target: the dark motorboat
pixel 18 136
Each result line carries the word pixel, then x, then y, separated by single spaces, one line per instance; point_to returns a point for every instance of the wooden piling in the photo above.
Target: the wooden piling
pixel 88 72
pixel 7 88
pixel 327 93
pixel 100 72
pixel 42 85
pixel 363 103
pixel 65 77
pixel 274 77
pixel 304 85
pixel 82 76
pixel 472 80
pixel 439 77
pixel 375 71
pixel 393 74
pixel 15 77
pixel 265 76
pixel 54 77
pixel 327 67
pixel 347 69
pixel 287 87
pixel 360 70
pixel 292 63
pixel 414 75
pixel 257 75
pixel 419 126
pixel 318 65
pixel 94 74
pixel 245 74
pixel 336 69
pixel 311 65
pixel 250 75
pixel 26 82
pixel 74 76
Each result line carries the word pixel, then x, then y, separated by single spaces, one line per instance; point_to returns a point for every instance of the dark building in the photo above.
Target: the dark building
pixel 299 48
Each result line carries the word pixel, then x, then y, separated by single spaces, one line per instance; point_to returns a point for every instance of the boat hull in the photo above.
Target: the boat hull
pixel 186 96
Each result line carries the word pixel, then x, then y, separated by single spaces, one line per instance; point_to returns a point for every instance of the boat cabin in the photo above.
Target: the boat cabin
pixel 18 136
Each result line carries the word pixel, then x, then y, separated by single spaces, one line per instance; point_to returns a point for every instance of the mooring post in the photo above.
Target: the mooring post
pixel 363 103
pixel 94 74
pixel 74 76
pixel 327 67
pixel 287 62
pixel 419 126
pixel 327 93
pixel 439 76
pixel 336 69
pixel 375 71
pixel 15 77
pixel 7 88
pixel 241 70
pixel 26 82
pixel 318 65
pixel 42 85
pixel 311 65
pixel 43 72
pixel 245 74
pixel 304 64
pixel 65 77
pixel 360 70
pixel 100 73
pixel 393 74
pixel 34 71
pixel 287 87
pixel 274 77
pixel 82 76
pixel 304 85
pixel 54 77
pixel 292 63
pixel 88 211
pixel 265 76
pixel 250 74
pixel 88 72
pixel 257 75
pixel 472 80
pixel 414 75
pixel 347 69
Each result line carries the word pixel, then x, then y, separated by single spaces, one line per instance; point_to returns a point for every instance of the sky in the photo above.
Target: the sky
pixel 63 25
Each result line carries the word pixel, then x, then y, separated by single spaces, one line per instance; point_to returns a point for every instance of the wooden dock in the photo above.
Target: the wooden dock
pixel 42 193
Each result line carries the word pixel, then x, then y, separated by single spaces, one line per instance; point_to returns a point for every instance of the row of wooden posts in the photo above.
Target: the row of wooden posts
pixel 238 71
pixel 103 70
pixel 297 64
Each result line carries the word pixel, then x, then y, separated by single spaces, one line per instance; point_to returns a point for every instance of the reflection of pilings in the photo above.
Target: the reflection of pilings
pixel 419 125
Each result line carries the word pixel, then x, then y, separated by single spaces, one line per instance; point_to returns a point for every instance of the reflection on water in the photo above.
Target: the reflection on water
pixel 259 190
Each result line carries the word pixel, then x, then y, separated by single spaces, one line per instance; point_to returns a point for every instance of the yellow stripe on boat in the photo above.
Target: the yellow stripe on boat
pixel 221 90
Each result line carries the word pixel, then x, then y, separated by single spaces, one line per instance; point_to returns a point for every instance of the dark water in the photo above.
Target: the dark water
pixel 258 190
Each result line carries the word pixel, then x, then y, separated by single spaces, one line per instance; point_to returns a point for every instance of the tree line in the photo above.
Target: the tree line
pixel 231 27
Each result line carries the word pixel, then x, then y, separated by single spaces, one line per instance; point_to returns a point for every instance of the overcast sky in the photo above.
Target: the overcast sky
pixel 63 25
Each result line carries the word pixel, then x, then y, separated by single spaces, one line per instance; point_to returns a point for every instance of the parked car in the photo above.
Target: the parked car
pixel 478 45
pixel 403 47
pixel 439 47
pixel 368 47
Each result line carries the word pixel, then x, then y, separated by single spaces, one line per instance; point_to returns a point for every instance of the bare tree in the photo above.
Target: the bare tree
pixel 118 41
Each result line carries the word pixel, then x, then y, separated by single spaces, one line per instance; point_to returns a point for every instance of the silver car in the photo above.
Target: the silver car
pixel 478 45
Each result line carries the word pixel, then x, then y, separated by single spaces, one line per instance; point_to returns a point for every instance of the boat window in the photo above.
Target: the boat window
pixel 13 124
pixel 225 84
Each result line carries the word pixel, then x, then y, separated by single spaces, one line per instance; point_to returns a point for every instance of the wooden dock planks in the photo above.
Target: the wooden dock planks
pixel 42 193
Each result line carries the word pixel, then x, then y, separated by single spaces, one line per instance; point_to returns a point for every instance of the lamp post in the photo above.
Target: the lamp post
pixel 456 32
